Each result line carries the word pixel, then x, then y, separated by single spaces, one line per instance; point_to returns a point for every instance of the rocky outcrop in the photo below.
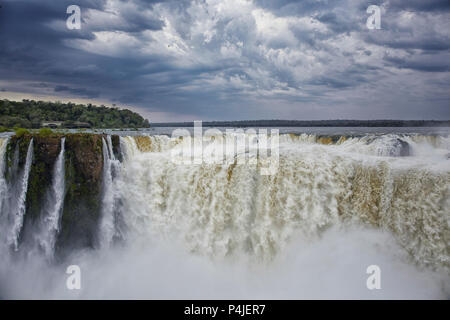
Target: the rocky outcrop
pixel 17 145
pixel 327 139
pixel 404 148
pixel 46 150
pixel 85 151
pixel 115 139
pixel 80 217
pixel 83 182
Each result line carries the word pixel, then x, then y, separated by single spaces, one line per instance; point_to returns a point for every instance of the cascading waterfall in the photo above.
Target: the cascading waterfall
pixel 9 200
pixel 109 224
pixel 54 204
pixel 18 211
pixel 335 205
pixel 3 184
pixel 220 210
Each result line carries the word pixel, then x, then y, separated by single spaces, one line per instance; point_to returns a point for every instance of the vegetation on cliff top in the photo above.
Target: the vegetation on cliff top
pixel 31 114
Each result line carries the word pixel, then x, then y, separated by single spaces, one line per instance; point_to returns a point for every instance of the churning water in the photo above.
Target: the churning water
pixel 334 206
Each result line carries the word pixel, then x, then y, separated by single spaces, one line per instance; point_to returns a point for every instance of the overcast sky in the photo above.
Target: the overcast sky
pixel 233 59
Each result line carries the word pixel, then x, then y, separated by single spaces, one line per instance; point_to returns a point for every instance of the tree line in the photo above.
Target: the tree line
pixel 31 114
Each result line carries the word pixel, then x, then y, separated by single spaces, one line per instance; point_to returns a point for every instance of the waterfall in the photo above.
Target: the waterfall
pixel 110 148
pixel 54 204
pixel 18 212
pixel 226 209
pixel 109 214
pixel 3 185
pixel 10 189
pixel 340 201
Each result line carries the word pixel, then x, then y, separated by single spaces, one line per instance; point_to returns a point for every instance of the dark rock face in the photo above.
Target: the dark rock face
pixel 46 151
pixel 82 204
pixel 86 153
pixel 80 218
pixel 394 147
pixel 115 139
pixel 404 148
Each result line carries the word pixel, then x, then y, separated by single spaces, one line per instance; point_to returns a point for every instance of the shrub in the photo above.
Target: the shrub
pixel 21 131
pixel 45 132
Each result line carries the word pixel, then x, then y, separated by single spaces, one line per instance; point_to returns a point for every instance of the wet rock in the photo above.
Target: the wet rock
pixel 83 183
pixel 329 139
pixel 85 154
pixel 82 203
pixel 115 139
pixel 392 147
pixel 46 151
pixel 404 148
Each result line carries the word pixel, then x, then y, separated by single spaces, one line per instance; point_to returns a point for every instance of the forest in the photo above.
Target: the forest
pixel 31 114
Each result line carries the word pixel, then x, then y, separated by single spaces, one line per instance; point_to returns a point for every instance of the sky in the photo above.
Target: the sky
pixel 183 60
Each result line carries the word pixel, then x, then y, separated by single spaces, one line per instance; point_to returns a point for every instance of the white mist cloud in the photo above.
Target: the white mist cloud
pixel 331 267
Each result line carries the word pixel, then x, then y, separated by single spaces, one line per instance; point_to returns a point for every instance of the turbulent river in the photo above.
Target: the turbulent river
pixel 336 204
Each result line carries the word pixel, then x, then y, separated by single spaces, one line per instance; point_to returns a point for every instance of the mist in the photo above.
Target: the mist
pixel 332 266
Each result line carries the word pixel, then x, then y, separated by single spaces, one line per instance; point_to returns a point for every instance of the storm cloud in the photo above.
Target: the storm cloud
pixel 234 59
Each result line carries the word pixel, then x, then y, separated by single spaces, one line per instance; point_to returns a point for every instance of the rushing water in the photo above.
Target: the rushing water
pixel 17 208
pixel 50 225
pixel 334 206
pixel 109 225
pixel 222 209
pixel 3 185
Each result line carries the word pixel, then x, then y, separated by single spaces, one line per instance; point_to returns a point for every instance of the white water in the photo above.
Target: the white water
pixel 224 231
pixel 54 204
pixel 18 212
pixel 222 210
pixel 3 184
pixel 108 224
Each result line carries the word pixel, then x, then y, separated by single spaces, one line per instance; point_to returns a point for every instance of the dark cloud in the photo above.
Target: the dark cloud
pixel 420 5
pixel 233 59
pixel 82 92
pixel 305 7
pixel 438 64
pixel 431 43
pixel 337 23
